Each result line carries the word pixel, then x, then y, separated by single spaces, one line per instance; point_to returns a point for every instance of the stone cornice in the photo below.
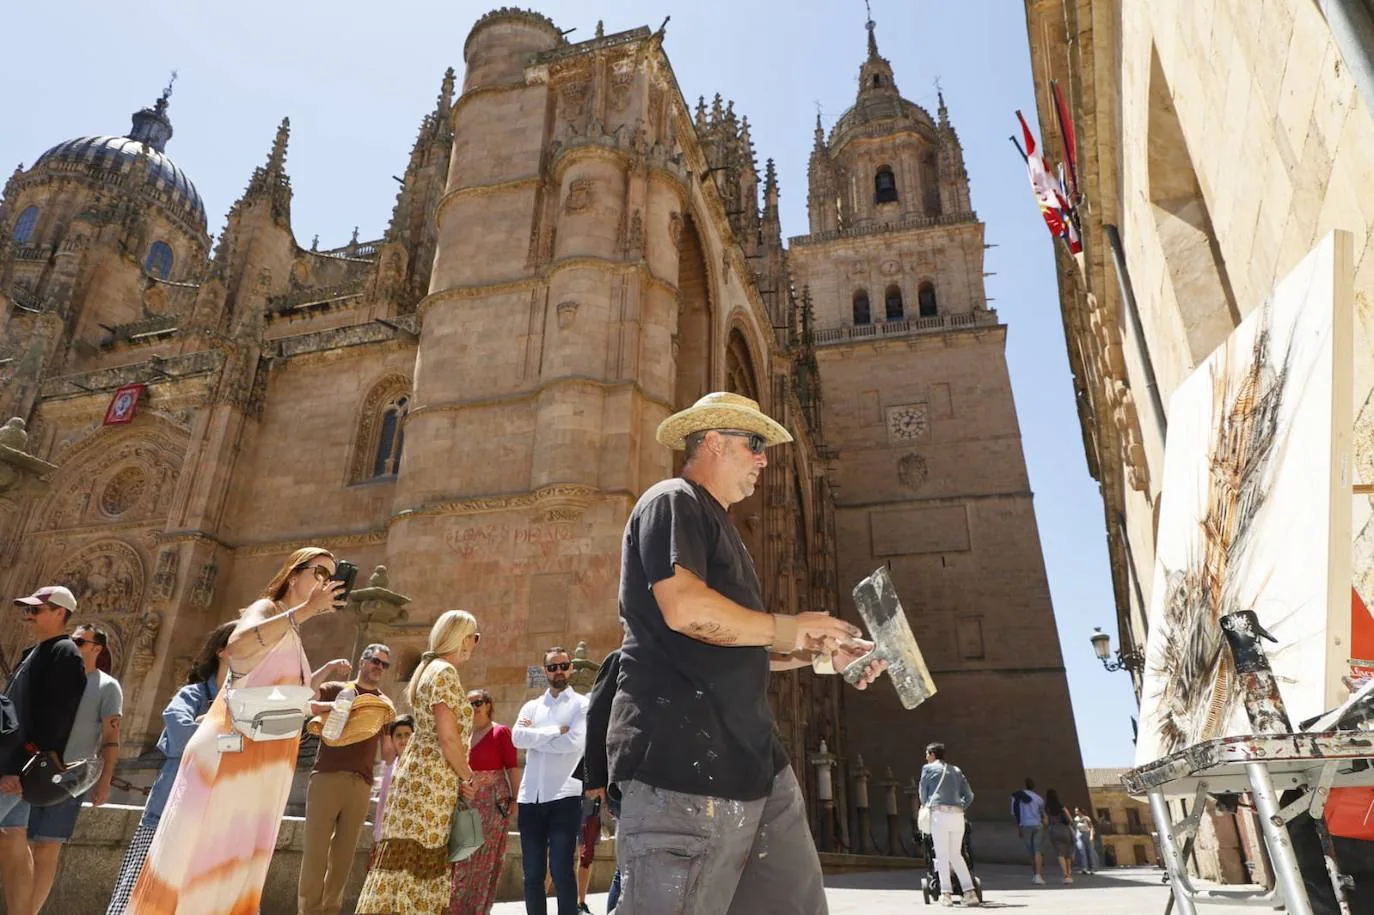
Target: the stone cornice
pixel 472 95
pixel 923 222
pixel 484 190
pixel 514 14
pixel 557 502
pixel 338 338
pixel 329 541
pixel 506 287
pixel 151 372
pixel 532 394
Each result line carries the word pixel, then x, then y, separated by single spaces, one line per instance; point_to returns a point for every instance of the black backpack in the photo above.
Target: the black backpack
pixel 11 738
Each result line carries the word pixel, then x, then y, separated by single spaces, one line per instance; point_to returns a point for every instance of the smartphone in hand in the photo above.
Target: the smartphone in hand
pixel 347 573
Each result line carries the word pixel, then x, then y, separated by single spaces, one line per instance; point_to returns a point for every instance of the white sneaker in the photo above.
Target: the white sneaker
pixel 971 902
pixel 946 900
pixel 1038 880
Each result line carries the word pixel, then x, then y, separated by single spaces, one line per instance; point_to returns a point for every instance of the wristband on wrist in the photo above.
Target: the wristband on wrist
pixel 822 663
pixel 784 633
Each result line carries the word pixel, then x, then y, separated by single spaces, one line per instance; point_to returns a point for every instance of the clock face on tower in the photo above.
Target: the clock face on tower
pixel 908 422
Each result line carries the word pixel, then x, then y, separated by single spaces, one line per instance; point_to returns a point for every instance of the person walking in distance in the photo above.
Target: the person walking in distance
pixel 712 819
pixel 552 730
pixel 46 690
pixel 945 790
pixel 1059 831
pixel 94 747
pixel 340 788
pixel 180 719
pixel 1028 810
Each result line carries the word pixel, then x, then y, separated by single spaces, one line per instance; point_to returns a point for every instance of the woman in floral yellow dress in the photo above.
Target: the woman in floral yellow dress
pixel 411 871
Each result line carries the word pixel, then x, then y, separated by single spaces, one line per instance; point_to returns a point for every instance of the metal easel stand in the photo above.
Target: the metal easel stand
pixel 1263 764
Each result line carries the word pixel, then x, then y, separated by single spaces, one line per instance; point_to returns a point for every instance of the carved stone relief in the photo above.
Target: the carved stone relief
pixel 203 591
pixel 567 311
pixel 123 491
pixel 107 578
pixel 580 193
pixel 573 99
pixel 912 470
pixel 144 647
pixel 165 576
pixel 636 239
pixel 620 90
pixel 675 227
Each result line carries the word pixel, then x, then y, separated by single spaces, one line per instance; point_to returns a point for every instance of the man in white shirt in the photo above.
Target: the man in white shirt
pixel 552 729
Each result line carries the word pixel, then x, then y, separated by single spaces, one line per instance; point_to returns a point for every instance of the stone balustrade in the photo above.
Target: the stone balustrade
pixel 849 333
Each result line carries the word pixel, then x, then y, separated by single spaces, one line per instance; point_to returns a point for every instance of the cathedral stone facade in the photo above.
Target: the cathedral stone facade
pixel 470 401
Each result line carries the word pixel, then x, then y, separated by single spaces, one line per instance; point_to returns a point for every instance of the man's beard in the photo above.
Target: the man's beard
pixel 559 681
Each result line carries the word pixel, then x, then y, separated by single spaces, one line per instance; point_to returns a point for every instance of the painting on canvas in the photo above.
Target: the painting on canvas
pixel 1256 512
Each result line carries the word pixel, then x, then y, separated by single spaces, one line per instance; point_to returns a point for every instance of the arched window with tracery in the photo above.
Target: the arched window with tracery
pixel 380 440
pixel 892 304
pixel 925 300
pixel 24 226
pixel 862 315
pixel 885 186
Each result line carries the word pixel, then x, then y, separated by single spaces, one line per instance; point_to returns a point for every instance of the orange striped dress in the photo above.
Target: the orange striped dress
pixel 217 833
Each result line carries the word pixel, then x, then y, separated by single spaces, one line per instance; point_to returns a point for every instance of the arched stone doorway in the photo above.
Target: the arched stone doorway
pixel 693 341
pixel 742 378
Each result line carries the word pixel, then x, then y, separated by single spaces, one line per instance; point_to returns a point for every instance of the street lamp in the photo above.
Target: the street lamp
pixel 1133 660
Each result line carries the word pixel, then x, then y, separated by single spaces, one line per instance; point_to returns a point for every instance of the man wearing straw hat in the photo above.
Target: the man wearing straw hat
pixel 712 819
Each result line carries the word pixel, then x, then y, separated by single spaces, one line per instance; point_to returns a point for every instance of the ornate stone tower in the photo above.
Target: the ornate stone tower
pixel 926 461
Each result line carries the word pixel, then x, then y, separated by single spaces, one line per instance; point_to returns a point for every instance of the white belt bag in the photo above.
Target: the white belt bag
pixel 269 712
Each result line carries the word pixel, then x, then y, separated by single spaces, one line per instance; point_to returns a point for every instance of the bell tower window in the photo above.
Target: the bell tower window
pixel 159 260
pixel 884 186
pixel 925 300
pixel 861 312
pixel 391 439
pixel 892 299
pixel 24 226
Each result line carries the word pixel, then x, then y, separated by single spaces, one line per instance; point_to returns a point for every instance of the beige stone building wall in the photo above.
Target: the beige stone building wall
pixel 1123 822
pixel 1223 139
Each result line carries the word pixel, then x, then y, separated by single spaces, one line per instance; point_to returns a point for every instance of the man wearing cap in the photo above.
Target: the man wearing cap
pixel 340 789
pixel 46 690
pixel 712 819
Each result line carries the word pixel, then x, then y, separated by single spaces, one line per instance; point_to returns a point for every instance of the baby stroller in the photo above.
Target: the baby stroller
pixel 930 883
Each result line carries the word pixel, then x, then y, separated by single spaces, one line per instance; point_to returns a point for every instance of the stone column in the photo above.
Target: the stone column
pixel 864 845
pixel 894 830
pixel 824 761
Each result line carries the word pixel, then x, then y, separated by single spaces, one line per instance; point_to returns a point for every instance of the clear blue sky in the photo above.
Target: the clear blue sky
pixel 356 78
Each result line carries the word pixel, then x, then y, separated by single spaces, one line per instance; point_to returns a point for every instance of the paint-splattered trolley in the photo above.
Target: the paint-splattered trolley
pixel 1335 750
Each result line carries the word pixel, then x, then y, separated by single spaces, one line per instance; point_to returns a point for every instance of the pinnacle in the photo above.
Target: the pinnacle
pixel 277 158
pixel 446 90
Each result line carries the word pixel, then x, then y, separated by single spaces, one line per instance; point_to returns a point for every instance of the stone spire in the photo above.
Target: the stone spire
pixel 270 182
pixel 875 76
pixel 872 39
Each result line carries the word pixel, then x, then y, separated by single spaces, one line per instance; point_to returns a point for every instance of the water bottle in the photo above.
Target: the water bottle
pixel 334 724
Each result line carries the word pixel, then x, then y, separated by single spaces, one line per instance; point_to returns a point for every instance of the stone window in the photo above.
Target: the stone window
pixel 24 226
pixel 892 300
pixel 391 438
pixel 861 312
pixel 381 430
pixel 877 79
pixel 158 263
pixel 885 186
pixel 925 300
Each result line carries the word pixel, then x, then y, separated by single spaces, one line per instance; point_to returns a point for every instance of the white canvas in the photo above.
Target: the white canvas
pixel 1256 512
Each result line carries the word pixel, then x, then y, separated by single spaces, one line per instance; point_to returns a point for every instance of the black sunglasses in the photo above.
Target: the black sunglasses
pixel 756 443
pixel 562 665
pixel 385 665
pixel 82 643
pixel 478 703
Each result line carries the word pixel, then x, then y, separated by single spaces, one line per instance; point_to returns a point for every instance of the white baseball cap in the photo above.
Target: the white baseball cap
pixel 56 595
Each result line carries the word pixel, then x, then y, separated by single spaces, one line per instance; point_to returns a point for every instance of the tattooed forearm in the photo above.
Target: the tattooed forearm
pixel 711 633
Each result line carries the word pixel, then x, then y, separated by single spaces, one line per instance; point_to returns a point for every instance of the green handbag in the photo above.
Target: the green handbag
pixel 465 832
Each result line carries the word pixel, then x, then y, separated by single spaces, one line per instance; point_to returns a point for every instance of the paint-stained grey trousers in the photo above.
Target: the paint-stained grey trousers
pixel 689 854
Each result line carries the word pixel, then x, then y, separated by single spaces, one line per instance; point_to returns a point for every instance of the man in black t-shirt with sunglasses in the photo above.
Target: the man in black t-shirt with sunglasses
pixel 712 819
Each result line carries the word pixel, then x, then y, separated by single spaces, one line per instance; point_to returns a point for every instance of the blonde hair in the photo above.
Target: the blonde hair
pixel 445 637
pixel 277 587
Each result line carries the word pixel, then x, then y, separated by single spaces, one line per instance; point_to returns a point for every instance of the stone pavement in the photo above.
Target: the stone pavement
pixel 1118 891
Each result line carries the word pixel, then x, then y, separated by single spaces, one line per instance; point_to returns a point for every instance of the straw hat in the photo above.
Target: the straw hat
pixel 368 715
pixel 720 410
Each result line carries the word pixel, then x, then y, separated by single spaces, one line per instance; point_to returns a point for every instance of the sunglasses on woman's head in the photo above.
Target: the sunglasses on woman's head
pixel 756 443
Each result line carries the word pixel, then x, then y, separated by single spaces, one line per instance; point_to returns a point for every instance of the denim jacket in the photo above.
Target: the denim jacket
pixel 180 716
pixel 953 791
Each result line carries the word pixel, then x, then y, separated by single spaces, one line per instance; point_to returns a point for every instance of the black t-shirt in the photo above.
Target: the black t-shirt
pixel 689 716
pixel 46 691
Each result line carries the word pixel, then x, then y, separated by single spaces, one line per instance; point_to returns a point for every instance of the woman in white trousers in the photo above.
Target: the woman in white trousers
pixel 946 791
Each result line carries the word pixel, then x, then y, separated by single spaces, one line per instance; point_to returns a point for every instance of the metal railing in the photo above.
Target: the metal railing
pixel 903 327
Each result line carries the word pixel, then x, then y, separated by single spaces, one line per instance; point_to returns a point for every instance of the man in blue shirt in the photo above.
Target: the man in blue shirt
pixel 1028 810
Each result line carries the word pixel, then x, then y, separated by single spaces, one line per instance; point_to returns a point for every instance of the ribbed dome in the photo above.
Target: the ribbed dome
pixel 109 158
pixel 873 108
